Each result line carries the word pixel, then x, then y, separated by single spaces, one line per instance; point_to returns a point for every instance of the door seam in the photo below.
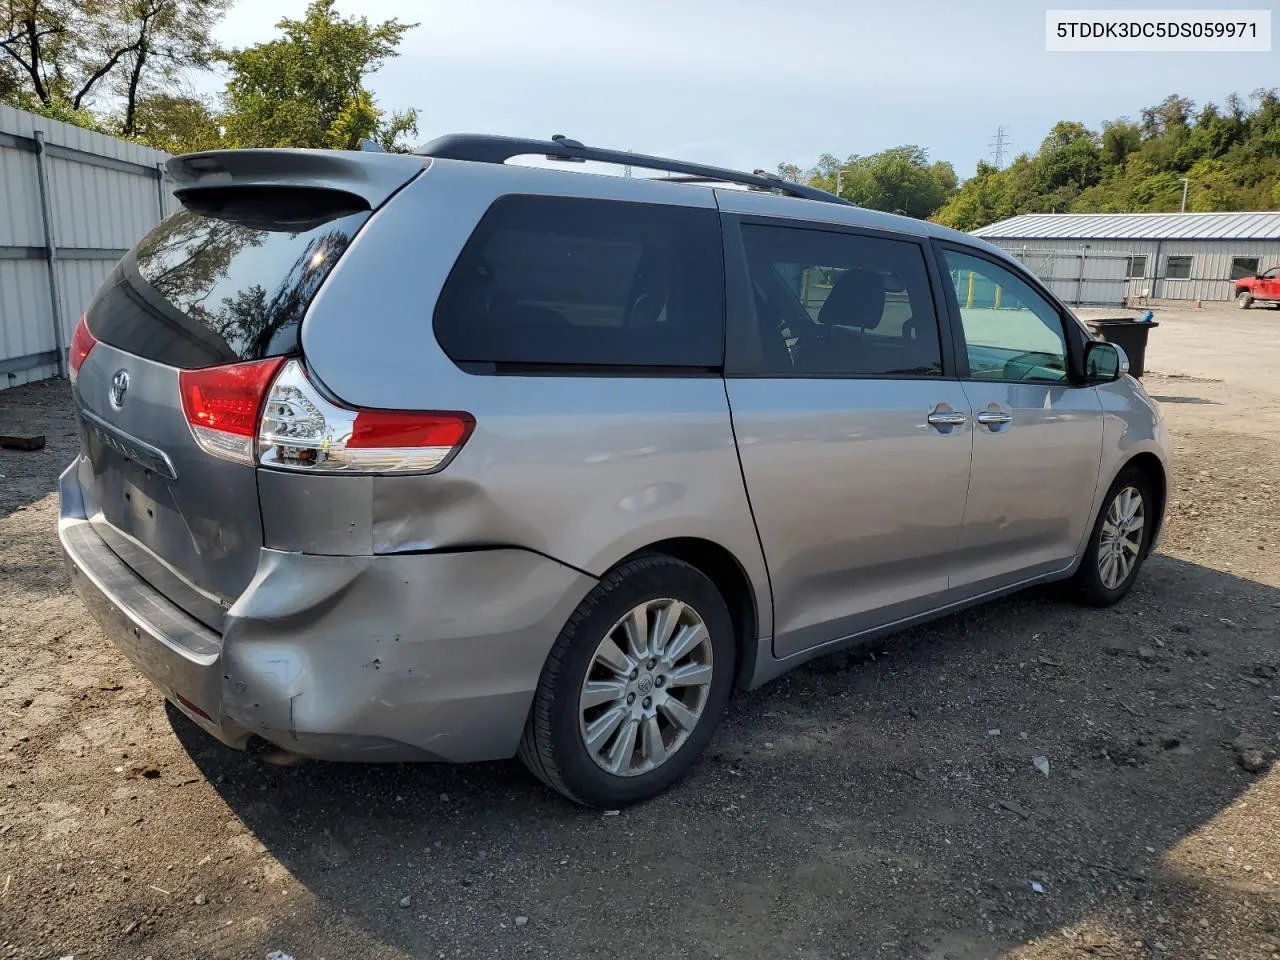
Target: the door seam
pixel 968 487
pixel 746 492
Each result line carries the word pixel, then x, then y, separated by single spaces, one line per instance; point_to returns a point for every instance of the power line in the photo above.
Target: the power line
pixel 998 146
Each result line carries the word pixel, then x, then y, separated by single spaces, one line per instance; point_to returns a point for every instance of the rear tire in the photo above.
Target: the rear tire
pixel 1244 299
pixel 1116 549
pixel 634 687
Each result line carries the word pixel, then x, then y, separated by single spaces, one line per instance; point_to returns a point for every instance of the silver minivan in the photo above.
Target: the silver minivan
pixel 438 457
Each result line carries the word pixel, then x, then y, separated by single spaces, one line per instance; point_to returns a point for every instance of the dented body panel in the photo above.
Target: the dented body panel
pixel 429 656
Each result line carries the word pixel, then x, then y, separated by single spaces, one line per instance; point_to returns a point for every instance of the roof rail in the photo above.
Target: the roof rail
pixel 488 148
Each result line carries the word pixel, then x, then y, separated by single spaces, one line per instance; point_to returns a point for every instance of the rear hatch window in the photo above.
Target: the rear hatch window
pixel 227 278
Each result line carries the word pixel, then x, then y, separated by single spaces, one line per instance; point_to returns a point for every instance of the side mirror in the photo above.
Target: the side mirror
pixel 1104 362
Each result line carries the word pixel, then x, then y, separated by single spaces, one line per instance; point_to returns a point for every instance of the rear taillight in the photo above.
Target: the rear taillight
pixel 303 430
pixel 222 405
pixel 82 341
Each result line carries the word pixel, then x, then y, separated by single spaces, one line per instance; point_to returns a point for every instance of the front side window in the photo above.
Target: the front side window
pixel 1271 274
pixel 839 304
pixel 1178 268
pixel 560 281
pixel 1243 267
pixel 1137 267
pixel 1011 332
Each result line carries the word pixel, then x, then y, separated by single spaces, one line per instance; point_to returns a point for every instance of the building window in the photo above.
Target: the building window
pixel 1243 267
pixel 1137 268
pixel 1178 268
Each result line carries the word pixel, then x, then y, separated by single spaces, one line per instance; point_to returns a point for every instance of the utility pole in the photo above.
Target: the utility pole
pixel 1185 183
pixel 839 181
pixel 998 146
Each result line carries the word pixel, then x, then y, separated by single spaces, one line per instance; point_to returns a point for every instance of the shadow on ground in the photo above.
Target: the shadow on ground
pixel 879 803
pixel 1196 400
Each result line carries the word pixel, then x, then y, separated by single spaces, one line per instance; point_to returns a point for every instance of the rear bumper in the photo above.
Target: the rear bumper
pixel 430 656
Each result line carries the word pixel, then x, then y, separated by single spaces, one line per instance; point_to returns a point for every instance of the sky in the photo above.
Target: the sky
pixel 751 83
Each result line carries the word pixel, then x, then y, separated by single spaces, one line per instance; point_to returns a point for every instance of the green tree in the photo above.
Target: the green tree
pixel 68 58
pixel 897 180
pixel 178 123
pixel 1119 139
pixel 306 88
pixel 1230 155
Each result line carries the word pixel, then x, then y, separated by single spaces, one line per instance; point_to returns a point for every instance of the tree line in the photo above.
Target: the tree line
pixel 1229 155
pixel 125 68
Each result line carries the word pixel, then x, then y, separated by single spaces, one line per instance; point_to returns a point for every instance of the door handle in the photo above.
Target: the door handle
pixel 948 419
pixel 992 418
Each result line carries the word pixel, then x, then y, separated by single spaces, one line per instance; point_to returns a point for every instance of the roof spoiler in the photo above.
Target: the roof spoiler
pixel 372 177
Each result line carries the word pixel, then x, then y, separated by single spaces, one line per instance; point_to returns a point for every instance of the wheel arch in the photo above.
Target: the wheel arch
pixel 1154 470
pixel 730 577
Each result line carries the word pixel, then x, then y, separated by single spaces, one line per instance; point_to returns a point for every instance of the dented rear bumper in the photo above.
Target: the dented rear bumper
pixel 429 656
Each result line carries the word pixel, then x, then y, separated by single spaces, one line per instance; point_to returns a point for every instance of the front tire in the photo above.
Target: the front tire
pixel 1118 542
pixel 634 687
pixel 1244 299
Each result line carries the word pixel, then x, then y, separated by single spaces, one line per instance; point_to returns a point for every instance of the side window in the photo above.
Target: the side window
pixel 1137 267
pixel 840 304
pixel 1177 268
pixel 1011 332
pixel 560 281
pixel 1243 267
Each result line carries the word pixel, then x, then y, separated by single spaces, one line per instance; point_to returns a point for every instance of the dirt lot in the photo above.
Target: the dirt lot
pixel 879 804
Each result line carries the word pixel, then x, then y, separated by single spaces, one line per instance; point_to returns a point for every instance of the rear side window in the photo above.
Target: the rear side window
pixel 227 278
pixel 565 282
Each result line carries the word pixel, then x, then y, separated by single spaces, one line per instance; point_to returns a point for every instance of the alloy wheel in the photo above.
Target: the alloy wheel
pixel 646 687
pixel 1120 540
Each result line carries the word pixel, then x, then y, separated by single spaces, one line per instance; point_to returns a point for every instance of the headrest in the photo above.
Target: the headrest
pixel 856 300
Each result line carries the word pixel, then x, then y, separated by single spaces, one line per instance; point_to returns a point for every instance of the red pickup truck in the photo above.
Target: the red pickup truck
pixel 1264 287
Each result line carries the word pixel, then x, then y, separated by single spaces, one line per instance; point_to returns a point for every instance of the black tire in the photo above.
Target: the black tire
pixel 1244 300
pixel 1088 585
pixel 552 746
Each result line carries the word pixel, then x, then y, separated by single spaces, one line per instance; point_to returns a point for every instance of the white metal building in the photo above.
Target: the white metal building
pixel 1172 256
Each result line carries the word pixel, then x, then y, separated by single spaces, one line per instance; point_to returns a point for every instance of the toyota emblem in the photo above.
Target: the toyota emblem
pixel 119 387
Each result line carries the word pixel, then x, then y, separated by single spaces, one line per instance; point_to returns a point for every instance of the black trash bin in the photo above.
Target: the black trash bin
pixel 1128 333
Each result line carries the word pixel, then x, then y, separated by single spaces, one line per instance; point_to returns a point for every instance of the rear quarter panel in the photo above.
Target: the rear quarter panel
pixel 585 469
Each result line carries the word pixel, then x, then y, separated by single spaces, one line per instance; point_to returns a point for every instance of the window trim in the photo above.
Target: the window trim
pixel 1074 334
pixel 1129 274
pixel 1191 265
pixel 1257 268
pixel 742 325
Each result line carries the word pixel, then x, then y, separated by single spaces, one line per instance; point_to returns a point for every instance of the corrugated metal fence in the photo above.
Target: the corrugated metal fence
pixel 71 203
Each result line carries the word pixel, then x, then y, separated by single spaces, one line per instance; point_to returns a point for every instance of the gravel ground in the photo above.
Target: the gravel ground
pixel 876 804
